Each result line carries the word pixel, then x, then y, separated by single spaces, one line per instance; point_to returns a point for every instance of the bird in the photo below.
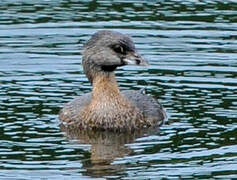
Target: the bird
pixel 106 108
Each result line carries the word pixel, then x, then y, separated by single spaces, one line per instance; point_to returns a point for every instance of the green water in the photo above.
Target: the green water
pixel 192 50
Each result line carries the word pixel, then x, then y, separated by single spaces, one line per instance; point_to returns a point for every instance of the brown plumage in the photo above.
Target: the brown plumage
pixel 106 108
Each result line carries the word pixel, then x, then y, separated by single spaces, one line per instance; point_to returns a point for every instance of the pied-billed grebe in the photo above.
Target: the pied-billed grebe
pixel 106 108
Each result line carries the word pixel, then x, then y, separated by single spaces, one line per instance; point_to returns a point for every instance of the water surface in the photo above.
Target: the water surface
pixel 192 49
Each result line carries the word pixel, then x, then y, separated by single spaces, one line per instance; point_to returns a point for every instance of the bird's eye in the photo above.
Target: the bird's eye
pixel 119 49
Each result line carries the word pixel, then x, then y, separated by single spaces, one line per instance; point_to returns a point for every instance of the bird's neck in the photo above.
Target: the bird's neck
pixel 105 87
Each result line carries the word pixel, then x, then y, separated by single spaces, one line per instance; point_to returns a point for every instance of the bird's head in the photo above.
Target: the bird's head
pixel 107 50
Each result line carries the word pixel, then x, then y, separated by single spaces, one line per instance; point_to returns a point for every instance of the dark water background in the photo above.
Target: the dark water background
pixel 192 49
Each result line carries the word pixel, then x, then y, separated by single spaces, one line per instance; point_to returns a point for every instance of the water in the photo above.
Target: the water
pixel 192 49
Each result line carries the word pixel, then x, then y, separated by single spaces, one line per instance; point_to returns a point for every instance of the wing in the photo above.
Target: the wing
pixel 70 111
pixel 150 107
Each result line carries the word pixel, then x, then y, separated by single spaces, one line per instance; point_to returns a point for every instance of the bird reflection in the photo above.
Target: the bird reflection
pixel 106 146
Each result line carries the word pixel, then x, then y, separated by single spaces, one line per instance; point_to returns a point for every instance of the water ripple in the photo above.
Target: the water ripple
pixel 191 48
